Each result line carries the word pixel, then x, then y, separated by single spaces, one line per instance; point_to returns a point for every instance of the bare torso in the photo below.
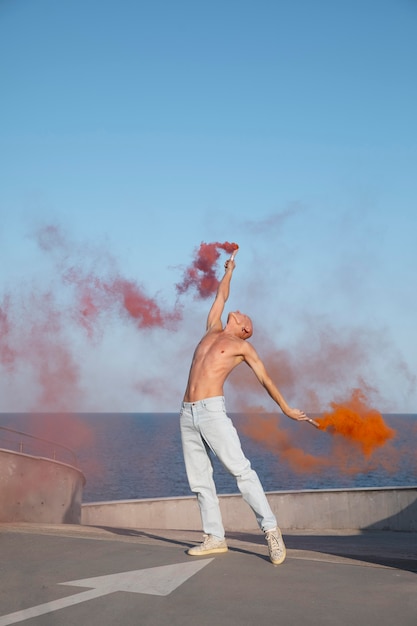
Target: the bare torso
pixel 222 349
pixel 215 357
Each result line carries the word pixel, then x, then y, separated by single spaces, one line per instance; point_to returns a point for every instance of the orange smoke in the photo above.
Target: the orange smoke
pixel 265 430
pixel 356 432
pixel 358 422
pixel 202 272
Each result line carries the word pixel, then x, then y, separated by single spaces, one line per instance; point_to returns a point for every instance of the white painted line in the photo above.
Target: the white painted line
pixel 157 581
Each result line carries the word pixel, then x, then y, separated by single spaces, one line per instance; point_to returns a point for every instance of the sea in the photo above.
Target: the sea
pixel 127 456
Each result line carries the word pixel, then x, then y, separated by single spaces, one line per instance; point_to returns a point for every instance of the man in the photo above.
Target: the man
pixel 204 424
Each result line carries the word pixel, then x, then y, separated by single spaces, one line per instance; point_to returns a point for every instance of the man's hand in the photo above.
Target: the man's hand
pixel 230 264
pixel 300 416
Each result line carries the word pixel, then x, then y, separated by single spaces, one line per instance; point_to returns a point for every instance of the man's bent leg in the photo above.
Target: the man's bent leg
pixel 224 440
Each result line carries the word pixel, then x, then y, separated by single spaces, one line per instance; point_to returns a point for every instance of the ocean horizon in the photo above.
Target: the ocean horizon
pixel 138 455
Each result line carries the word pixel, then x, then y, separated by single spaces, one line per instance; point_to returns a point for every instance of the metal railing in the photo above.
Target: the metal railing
pixel 18 441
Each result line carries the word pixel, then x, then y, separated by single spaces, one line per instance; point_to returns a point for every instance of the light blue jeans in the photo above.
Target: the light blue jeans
pixel 204 424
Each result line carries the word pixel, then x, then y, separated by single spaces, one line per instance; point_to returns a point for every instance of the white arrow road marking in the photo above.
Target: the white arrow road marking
pixel 157 581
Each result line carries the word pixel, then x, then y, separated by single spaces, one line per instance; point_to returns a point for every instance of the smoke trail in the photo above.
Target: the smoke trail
pixel 47 325
pixel 202 273
pixel 267 431
pixel 97 293
pixel 95 298
pixel 7 354
pixel 37 343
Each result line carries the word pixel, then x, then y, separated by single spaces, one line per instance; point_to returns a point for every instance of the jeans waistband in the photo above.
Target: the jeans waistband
pixel 202 403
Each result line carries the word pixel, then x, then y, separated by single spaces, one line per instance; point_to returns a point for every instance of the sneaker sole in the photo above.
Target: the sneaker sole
pixel 191 551
pixel 281 560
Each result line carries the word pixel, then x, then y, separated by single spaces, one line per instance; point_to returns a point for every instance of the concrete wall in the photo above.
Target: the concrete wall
pixel 35 489
pixel 383 509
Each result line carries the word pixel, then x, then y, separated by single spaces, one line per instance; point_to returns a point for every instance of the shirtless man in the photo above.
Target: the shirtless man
pixel 204 424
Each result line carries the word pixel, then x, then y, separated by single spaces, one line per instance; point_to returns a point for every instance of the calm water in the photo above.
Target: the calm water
pixel 138 455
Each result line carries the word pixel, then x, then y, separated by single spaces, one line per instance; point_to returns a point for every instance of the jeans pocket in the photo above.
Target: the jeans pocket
pixel 215 406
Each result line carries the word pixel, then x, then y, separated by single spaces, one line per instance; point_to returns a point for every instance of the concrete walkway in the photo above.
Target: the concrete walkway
pixel 61 575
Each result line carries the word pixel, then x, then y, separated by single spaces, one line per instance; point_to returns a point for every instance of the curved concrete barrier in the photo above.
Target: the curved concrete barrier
pixel 37 489
pixel 343 509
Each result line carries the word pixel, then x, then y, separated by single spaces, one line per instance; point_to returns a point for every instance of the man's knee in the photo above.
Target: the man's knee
pixel 242 470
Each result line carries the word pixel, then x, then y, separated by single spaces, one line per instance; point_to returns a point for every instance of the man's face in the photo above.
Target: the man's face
pixel 243 322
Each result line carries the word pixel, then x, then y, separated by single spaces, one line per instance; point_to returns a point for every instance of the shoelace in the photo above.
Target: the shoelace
pixel 273 543
pixel 208 541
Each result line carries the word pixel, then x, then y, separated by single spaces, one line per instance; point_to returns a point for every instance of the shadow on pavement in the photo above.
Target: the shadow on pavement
pixel 381 548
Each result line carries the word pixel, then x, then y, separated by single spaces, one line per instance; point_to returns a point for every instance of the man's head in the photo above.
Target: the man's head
pixel 240 324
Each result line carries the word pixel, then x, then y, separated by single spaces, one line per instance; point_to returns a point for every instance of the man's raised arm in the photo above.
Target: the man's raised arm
pixel 214 320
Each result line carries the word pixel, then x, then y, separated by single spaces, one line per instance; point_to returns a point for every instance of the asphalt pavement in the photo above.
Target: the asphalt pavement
pixel 66 575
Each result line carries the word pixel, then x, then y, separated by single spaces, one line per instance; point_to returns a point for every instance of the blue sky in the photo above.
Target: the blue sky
pixel 137 130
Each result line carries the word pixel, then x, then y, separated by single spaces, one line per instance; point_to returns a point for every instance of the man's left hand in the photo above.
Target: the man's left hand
pixel 300 416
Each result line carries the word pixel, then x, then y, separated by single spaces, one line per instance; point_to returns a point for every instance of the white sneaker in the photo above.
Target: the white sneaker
pixel 210 545
pixel 276 546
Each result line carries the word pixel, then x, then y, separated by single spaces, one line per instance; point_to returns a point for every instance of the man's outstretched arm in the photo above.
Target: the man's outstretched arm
pixel 255 363
pixel 214 320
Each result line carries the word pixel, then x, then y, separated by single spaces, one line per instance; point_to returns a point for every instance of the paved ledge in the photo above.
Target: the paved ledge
pixel 387 508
